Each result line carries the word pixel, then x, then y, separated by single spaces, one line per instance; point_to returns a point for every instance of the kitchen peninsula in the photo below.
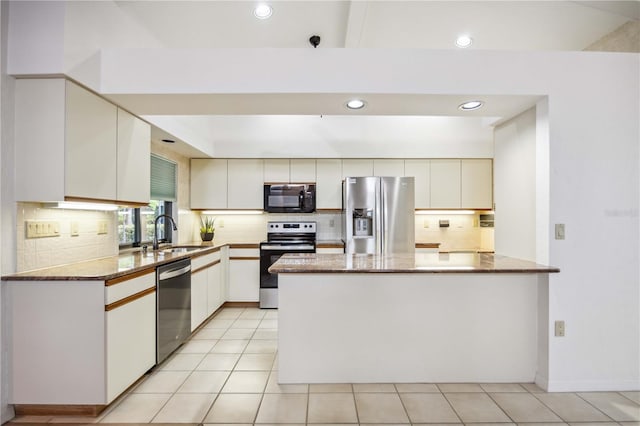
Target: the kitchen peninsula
pixel 428 317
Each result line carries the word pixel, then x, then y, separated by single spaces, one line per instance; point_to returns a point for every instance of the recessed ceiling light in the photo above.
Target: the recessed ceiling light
pixel 464 41
pixel 355 104
pixel 470 106
pixel 262 11
pixel 168 141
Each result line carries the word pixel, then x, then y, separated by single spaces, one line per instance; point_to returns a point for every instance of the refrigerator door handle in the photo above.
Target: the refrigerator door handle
pixel 379 211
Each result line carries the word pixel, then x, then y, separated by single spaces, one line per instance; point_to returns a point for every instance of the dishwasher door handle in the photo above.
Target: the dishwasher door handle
pixel 173 273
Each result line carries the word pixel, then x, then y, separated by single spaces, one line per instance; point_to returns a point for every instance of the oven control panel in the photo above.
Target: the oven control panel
pixel 293 227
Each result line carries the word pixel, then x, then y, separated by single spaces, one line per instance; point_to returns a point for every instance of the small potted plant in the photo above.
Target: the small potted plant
pixel 207 227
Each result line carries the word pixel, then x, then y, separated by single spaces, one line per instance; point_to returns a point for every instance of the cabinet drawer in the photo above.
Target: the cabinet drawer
pixel 235 253
pixel 201 261
pixel 126 286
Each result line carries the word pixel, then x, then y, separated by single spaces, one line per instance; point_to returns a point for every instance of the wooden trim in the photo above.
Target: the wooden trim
pixel 244 258
pixel 329 210
pixel 206 250
pixel 130 276
pixel 102 201
pixel 241 305
pixel 427 245
pixel 58 410
pixel 485 209
pixel 129 299
pixel 215 262
pixel 288 183
pixel 243 245
pixel 329 245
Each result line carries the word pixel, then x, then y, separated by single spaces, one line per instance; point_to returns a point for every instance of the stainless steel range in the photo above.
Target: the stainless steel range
pixel 282 237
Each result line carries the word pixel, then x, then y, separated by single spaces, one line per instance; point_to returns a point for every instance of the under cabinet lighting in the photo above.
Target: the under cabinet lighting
pixel 444 212
pixel 221 212
pixel 73 205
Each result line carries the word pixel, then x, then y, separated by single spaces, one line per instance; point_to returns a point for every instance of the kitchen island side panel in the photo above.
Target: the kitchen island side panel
pixel 395 328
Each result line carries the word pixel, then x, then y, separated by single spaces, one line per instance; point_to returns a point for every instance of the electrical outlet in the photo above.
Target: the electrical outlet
pixel 221 223
pixel 559 325
pixel 560 231
pixel 75 228
pixel 102 227
pixel 332 223
pixel 425 223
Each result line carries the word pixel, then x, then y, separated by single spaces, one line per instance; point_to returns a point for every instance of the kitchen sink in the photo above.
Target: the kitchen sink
pixel 180 249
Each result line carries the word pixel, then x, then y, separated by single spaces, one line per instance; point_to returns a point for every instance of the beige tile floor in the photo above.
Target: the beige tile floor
pixel 228 374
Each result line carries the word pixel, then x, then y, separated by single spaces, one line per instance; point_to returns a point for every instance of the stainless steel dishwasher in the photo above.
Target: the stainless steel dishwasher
pixel 173 307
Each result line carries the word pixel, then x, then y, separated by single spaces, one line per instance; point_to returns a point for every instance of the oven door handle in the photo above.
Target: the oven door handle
pixel 292 248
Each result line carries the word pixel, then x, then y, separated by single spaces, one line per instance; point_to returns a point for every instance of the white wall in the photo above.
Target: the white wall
pixel 7 205
pixel 38 29
pixel 514 176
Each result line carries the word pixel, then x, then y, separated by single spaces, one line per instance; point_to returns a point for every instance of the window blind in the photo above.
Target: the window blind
pixel 163 179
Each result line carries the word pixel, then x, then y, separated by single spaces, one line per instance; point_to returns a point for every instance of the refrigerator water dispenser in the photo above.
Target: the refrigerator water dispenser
pixel 362 223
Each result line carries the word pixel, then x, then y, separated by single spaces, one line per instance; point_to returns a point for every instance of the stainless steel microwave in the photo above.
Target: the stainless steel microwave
pixel 290 198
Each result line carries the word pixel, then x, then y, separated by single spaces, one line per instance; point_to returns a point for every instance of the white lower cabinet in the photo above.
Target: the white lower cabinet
pixel 77 342
pixel 131 343
pixel 215 294
pixel 206 291
pixel 244 275
pixel 198 298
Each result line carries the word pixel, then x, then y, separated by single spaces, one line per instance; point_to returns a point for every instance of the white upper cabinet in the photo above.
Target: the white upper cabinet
pixel 69 146
pixel 245 184
pixel 208 183
pixel 445 184
pixel 388 167
pixel 328 184
pixel 91 145
pixel 134 147
pixel 294 170
pixel 477 184
pixel 302 170
pixel 357 167
pixel 419 170
pixel 276 170
pixel 439 183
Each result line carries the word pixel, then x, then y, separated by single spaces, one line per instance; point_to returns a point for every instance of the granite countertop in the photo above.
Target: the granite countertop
pixel 406 263
pixel 114 266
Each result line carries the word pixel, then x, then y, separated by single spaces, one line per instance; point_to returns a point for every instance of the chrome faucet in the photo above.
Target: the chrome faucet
pixel 155 229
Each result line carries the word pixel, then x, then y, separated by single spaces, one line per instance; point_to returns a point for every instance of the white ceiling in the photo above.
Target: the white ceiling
pixel 234 120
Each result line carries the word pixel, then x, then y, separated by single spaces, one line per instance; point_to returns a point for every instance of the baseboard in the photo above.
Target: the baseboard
pixel 592 386
pixel 58 410
pixel 542 382
pixel 241 305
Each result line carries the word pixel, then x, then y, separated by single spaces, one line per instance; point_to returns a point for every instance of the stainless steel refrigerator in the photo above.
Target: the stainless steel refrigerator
pixel 379 215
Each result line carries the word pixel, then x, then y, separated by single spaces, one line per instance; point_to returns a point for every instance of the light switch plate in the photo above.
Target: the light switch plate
pixel 42 228
pixel 75 228
pixel 560 235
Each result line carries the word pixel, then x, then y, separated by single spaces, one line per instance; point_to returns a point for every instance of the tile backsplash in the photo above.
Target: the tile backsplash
pixel 463 232
pixel 36 253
